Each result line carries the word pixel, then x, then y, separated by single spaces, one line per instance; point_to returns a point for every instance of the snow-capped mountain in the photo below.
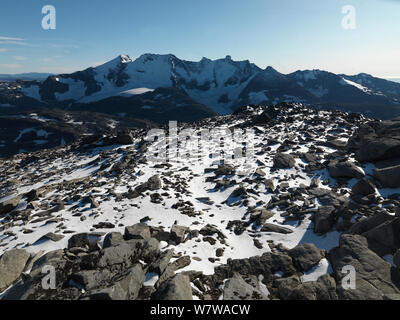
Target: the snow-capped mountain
pixel 219 86
pixel 376 85
pixel 213 83
pixel 332 88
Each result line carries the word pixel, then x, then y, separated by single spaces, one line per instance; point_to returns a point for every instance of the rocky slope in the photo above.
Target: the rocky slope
pixel 39 129
pixel 321 194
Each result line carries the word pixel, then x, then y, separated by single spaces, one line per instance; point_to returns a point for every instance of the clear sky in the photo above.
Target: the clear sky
pixel 286 34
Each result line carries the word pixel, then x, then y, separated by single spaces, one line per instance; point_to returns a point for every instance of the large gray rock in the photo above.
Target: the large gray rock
pixel 154 183
pixel 384 238
pixel 137 231
pixel 9 205
pixel 133 282
pixel 52 258
pixel 100 285
pixel 121 256
pixel 50 236
pixel 236 288
pixel 32 287
pixel 124 137
pixel 284 161
pixel 78 241
pixel 379 149
pixel 292 289
pixel 373 274
pixel 224 170
pixel 260 216
pixel 388 177
pixel 92 279
pixel 323 219
pixel 363 187
pixel 178 233
pixel 161 264
pixel 176 288
pixel 270 227
pixel 150 250
pixel 12 264
pixel 371 222
pixel 113 239
pixel 344 169
pixel 329 198
pixel 377 141
pixel 266 265
pixel 306 255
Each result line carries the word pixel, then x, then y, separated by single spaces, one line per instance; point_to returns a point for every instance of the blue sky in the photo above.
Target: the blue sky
pixel 286 34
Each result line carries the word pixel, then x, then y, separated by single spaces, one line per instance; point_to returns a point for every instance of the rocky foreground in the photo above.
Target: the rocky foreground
pixel 323 194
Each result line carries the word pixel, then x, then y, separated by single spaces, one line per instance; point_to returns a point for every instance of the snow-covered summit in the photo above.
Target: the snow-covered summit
pixel 222 84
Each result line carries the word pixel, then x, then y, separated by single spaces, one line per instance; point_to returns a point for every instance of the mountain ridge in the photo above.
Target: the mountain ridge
pixel 222 85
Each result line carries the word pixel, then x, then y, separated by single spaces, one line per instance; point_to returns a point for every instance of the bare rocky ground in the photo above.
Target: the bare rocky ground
pixel 321 194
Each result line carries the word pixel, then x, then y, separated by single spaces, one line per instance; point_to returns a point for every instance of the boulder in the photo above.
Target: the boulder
pixel 283 161
pixel 150 250
pixel 266 265
pixel 376 141
pixel 384 238
pixel 345 169
pixel 9 205
pixel 371 222
pixel 162 262
pixel 154 183
pixel 137 231
pixel 79 240
pixel 92 279
pixel 51 236
pixel 329 198
pixel 12 264
pixel 270 227
pixel 241 191
pixel 125 138
pixel 373 274
pixel 383 148
pixel 224 170
pixel 121 256
pixel 363 187
pixel 100 285
pixel 389 177
pixel 112 239
pixel 323 219
pixel 236 288
pixel 178 233
pixel 322 289
pixel 133 282
pixel 260 216
pixel 31 287
pixel 176 288
pixel 305 256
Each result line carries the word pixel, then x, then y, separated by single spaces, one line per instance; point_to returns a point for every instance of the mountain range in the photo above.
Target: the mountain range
pixel 24 76
pixel 163 87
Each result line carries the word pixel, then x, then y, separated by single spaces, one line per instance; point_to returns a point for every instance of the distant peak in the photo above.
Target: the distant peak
pixel 124 58
pixel 154 56
pixel 270 69
pixel 365 75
